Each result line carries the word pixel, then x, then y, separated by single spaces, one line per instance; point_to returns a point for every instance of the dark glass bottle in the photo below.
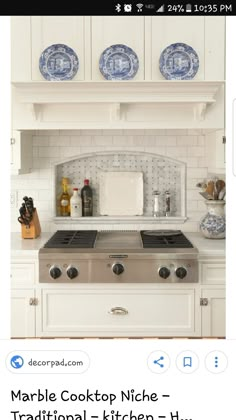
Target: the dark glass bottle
pixel 87 199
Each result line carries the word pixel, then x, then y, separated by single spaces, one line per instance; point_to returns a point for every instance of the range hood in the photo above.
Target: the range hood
pixel 118 104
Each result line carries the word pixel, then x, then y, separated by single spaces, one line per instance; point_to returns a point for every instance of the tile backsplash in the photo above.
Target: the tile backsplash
pixel 49 147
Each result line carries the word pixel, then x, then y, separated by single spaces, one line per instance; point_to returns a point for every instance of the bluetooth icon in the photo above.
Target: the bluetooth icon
pixel 118 7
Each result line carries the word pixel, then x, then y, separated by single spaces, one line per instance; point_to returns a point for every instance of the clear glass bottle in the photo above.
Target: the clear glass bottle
pixel 156 204
pixel 75 204
pixel 87 199
pixel 64 199
pixel 167 203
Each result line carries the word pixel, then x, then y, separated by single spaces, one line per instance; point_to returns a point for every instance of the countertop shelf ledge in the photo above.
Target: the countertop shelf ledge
pixel 118 219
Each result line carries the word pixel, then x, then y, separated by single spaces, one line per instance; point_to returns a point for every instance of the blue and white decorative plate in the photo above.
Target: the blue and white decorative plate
pixel 118 62
pixel 58 62
pixel 179 62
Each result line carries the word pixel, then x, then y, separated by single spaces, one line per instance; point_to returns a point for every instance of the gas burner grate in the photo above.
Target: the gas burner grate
pixel 158 239
pixel 72 239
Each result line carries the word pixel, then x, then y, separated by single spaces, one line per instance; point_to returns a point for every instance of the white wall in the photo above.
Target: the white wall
pixel 51 146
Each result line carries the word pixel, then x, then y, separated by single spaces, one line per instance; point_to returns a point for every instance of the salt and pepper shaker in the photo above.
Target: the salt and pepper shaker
pixel 167 203
pixel 156 207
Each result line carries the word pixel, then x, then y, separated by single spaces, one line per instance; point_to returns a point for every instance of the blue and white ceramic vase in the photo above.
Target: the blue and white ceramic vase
pixel 212 225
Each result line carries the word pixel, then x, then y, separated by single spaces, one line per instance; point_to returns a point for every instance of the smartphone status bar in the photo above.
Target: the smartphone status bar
pixel 126 8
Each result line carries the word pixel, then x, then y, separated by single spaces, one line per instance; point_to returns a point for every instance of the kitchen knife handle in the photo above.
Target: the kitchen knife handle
pixel 118 310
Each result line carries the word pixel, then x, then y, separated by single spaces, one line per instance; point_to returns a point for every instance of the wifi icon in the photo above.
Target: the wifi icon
pixel 139 7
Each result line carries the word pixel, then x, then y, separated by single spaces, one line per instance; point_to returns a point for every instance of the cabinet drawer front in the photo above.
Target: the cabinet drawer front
pixel 125 313
pixel 212 273
pixel 22 274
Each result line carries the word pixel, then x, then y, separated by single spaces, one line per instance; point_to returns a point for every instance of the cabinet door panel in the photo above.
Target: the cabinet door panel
pixel 109 30
pixel 22 313
pixel 168 30
pixel 213 315
pixel 212 273
pixel 22 274
pixel 96 313
pixel 48 30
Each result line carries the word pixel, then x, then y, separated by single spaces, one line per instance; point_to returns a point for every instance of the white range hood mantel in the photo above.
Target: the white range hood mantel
pixel 115 104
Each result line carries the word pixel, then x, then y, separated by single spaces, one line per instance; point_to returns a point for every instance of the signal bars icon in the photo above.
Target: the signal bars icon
pixel 161 9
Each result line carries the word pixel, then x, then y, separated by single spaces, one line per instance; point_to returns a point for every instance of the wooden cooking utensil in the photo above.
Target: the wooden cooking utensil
pixel 210 188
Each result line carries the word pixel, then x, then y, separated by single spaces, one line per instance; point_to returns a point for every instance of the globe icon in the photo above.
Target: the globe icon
pixel 17 362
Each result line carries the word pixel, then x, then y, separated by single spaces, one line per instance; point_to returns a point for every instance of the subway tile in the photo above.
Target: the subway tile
pixel 43 205
pixel 59 140
pixel 176 151
pixel 196 151
pixel 72 152
pixel 35 151
pixel 102 140
pixel 77 141
pixel 123 141
pixel 192 194
pixel 197 173
pixel 187 140
pixel 49 152
pixel 166 140
pixel 202 162
pixel 41 140
pixel 201 140
pixel 191 162
pixel 156 150
pixel 45 194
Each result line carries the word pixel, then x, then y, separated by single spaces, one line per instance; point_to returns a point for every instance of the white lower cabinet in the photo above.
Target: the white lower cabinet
pixel 213 312
pixel 23 313
pixel 143 310
pixel 120 312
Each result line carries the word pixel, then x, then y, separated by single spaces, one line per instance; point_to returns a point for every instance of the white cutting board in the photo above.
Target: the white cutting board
pixel 121 193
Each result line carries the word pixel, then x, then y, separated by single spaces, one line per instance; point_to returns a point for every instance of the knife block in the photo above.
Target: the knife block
pixel 33 230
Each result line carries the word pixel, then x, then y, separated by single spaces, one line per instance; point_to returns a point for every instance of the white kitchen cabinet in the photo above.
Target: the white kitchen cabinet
pixel 213 312
pixel 114 312
pixel 23 313
pixel 90 35
pixel 212 272
pixel 147 101
pixel 215 144
pixel 110 30
pixel 23 274
pixel 32 34
pixel 21 152
pixel 111 310
pixel 206 35
pixel 212 279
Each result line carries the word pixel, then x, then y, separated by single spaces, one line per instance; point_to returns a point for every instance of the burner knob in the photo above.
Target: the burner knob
pixel 55 272
pixel 72 272
pixel 118 268
pixel 181 272
pixel 164 272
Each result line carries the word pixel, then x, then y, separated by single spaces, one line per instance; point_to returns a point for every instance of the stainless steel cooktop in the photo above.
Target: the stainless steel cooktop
pixel 118 257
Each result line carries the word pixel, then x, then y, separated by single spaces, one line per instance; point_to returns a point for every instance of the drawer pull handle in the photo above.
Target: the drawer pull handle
pixel 118 311
pixel 33 302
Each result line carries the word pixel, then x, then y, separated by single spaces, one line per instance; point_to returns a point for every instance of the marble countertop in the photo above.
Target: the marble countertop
pixel 29 247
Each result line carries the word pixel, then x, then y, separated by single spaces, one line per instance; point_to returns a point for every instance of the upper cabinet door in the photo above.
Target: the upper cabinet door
pixel 109 30
pixel 204 34
pixel 48 30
